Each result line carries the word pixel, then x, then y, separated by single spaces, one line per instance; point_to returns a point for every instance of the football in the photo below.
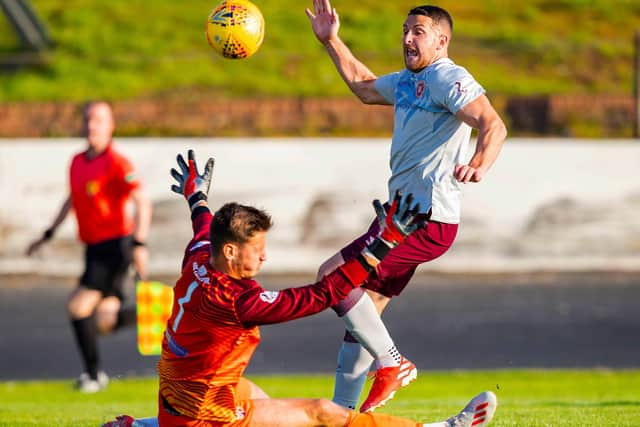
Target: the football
pixel 235 29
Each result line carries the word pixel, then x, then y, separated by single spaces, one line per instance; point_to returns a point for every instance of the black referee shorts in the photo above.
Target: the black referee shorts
pixel 107 266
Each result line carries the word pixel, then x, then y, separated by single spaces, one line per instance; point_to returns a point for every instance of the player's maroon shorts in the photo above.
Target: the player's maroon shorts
pixel 396 269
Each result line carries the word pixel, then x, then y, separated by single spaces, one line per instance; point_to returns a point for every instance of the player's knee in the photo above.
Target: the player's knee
pixel 379 300
pixel 105 321
pixel 329 265
pixel 327 413
pixel 79 309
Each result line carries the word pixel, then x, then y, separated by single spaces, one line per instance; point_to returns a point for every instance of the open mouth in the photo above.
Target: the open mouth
pixel 410 53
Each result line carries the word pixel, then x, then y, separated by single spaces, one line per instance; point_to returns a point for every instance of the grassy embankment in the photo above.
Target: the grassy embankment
pixel 121 50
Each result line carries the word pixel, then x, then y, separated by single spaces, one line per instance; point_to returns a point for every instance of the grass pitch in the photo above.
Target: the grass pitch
pixel 528 398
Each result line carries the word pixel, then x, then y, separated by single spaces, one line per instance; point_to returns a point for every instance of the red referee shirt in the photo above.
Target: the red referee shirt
pixel 100 189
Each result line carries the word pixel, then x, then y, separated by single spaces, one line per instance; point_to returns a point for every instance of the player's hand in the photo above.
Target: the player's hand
pixel 325 21
pixel 193 186
pixel 140 261
pixel 395 225
pixel 36 244
pixel 466 173
pixel 399 221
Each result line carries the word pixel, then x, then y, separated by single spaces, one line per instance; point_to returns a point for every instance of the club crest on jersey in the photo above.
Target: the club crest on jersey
pixel 269 296
pixel 200 271
pixel 420 88
pixel 91 188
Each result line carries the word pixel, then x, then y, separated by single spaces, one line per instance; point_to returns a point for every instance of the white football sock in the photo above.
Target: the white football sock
pixel 440 424
pixel 365 325
pixel 353 365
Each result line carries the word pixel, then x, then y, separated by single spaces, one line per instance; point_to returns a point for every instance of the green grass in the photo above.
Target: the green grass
pixel 118 49
pixel 528 398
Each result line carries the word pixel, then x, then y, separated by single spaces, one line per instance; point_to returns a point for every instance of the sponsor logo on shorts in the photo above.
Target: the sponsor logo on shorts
pixel 269 296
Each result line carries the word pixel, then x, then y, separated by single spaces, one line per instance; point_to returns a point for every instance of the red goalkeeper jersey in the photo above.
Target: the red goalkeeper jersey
pixel 213 329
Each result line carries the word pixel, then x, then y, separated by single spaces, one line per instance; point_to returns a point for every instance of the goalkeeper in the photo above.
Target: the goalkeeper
pixel 213 329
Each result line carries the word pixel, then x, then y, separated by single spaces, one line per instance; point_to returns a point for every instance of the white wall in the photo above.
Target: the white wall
pixel 319 193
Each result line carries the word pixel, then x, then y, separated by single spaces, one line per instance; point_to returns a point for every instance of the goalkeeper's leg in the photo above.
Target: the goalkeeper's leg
pixel 322 412
pixel 318 412
pixel 265 412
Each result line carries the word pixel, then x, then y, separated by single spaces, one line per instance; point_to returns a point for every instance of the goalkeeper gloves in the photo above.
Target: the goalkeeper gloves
pixel 193 186
pixel 395 226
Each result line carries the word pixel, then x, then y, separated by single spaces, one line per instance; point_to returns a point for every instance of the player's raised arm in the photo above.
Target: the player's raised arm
pixel 194 187
pixel 325 23
pixel 257 306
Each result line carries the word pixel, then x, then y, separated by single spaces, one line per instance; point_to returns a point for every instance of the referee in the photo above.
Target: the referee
pixel 102 182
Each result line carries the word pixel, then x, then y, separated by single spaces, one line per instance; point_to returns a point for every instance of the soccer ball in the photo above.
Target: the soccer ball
pixel 235 29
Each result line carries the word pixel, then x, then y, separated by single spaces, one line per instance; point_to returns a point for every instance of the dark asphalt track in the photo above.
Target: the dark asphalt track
pixel 554 320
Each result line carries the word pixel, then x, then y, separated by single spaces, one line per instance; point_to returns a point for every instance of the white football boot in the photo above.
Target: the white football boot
pixel 478 413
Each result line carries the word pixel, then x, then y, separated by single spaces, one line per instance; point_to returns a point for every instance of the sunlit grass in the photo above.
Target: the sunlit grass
pixel 528 398
pixel 118 49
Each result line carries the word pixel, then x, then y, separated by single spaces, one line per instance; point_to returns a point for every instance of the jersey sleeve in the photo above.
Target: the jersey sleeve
pixel 386 86
pixel 454 88
pixel 124 174
pixel 257 306
pixel 200 222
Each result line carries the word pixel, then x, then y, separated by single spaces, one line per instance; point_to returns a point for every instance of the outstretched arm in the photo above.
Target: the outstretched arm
pixel 257 306
pixel 492 132
pixel 48 234
pixel 325 23
pixel 194 187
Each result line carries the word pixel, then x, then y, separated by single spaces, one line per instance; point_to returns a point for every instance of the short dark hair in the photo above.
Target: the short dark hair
pixel 436 13
pixel 236 223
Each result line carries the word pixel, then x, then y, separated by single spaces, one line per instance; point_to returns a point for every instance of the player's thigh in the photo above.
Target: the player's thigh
pixel 83 302
pixel 350 251
pixel 249 390
pixel 298 413
pixel 423 245
pixel 426 244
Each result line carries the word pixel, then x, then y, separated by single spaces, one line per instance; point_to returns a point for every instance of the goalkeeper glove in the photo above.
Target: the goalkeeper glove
pixel 193 186
pixel 395 226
